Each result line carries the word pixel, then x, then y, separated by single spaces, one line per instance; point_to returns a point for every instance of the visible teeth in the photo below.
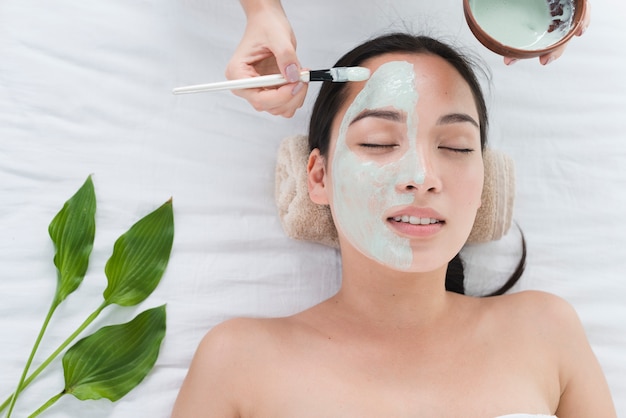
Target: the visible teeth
pixel 414 220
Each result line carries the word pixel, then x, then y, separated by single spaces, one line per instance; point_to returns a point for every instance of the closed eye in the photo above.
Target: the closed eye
pixel 459 150
pixel 367 145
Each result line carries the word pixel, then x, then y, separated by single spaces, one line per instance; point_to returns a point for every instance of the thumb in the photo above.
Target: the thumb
pixel 288 63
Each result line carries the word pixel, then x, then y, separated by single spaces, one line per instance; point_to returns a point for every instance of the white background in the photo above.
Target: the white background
pixel 85 88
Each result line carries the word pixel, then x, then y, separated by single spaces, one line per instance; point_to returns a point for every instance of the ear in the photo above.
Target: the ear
pixel 316 177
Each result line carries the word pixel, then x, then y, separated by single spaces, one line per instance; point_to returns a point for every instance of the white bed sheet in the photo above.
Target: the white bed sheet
pixel 85 89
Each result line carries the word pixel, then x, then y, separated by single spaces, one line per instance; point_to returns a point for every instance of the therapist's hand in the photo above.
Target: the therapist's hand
pixel 268 46
pixel 548 58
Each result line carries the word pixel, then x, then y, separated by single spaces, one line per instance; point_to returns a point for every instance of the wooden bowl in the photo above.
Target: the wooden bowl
pixel 508 20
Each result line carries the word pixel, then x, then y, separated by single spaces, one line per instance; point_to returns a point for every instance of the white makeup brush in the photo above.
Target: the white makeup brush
pixel 337 75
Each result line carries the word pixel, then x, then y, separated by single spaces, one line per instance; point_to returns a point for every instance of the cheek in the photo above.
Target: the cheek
pixel 368 186
pixel 479 180
pixel 469 186
pixel 358 187
pixel 462 180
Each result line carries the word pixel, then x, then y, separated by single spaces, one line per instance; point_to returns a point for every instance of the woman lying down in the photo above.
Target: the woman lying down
pixel 399 159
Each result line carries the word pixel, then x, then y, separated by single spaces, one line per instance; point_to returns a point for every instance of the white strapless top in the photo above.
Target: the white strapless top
pixel 527 416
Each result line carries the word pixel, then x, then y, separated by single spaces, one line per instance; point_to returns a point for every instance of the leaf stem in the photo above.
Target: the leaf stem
pixel 47 405
pixel 15 395
pixel 52 356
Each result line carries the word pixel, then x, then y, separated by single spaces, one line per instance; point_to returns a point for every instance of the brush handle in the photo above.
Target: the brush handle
pixel 338 75
pixel 243 83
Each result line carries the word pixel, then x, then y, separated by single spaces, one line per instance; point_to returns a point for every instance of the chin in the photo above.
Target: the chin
pixel 422 267
pixel 422 261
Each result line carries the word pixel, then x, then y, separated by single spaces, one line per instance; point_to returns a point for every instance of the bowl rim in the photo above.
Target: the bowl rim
pixel 508 51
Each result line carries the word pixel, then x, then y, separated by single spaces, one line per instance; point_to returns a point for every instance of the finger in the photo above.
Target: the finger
pixel 243 67
pixel 264 99
pixel 289 108
pixel 284 50
pixel 548 58
pixel 275 101
pixel 291 72
pixel 288 63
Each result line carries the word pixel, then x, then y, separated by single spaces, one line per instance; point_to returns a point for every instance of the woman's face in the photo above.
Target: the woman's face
pixel 405 169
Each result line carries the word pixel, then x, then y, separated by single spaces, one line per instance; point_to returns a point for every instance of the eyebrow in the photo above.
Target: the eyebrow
pixel 392 115
pixel 397 116
pixel 457 118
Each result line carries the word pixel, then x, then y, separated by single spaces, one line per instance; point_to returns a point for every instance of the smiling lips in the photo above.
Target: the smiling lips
pixel 416 226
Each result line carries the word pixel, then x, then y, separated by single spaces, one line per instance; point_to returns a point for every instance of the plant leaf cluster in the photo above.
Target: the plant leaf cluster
pixel 115 359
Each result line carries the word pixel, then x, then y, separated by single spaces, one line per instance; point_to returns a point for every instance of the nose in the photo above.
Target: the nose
pixel 417 172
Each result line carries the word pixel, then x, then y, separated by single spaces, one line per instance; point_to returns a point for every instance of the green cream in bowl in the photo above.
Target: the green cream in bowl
pixel 523 28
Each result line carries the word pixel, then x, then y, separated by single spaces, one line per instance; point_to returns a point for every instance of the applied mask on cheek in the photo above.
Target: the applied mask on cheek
pixel 364 190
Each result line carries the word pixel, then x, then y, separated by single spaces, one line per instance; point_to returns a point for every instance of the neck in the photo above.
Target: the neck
pixel 379 296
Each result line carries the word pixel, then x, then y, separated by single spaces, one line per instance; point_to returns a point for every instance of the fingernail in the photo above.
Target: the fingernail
pixel 297 88
pixel 292 73
pixel 513 61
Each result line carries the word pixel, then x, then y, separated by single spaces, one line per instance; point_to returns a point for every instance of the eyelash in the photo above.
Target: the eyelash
pixel 378 145
pixel 459 150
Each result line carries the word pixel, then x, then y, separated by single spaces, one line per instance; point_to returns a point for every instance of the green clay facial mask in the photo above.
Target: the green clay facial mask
pixel 364 190
pixel 524 24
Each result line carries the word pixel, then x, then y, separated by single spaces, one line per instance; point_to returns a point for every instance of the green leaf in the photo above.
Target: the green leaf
pixel 115 359
pixel 72 231
pixel 140 257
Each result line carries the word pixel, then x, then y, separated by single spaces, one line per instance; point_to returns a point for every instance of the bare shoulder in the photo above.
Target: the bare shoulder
pixel 549 321
pixel 545 314
pixel 229 337
pixel 554 327
pixel 537 300
pixel 540 309
pixel 240 344
pixel 225 362
pixel 537 324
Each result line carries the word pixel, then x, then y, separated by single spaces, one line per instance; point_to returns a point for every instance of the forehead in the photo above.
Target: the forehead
pixel 435 80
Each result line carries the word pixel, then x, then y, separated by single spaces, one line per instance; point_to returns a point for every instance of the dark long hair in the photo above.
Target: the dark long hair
pixel 332 96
